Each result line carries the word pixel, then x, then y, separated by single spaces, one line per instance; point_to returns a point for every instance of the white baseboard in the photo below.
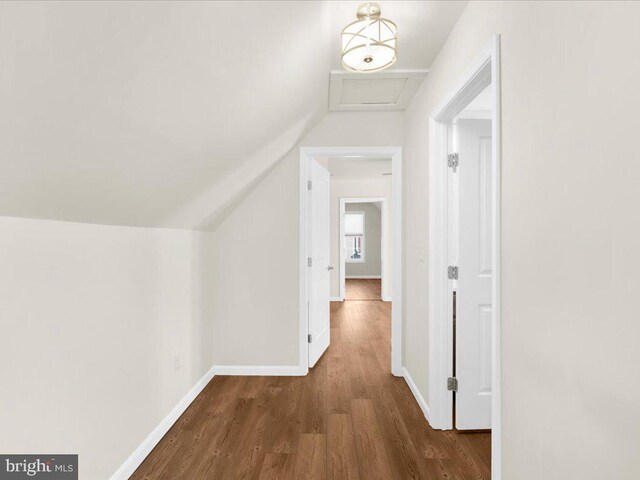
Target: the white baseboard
pixel 277 371
pixel 387 299
pixel 138 456
pixel 416 393
pixel 336 299
pixel 364 277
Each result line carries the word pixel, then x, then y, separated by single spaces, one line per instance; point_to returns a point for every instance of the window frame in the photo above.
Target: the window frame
pixel 363 246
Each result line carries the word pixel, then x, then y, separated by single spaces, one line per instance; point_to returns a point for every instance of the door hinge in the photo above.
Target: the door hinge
pixel 452 273
pixel 309 338
pixel 452 384
pixel 309 261
pixel 308 184
pixel 453 161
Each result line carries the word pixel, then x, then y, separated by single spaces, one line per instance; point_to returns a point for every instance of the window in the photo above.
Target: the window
pixel 354 237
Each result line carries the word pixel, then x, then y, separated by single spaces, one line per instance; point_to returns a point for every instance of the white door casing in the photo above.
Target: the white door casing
pixel 385 253
pixel 474 285
pixel 483 71
pixel 307 154
pixel 319 271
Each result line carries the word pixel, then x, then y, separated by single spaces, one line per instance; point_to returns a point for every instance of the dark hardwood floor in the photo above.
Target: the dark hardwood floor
pixel 349 418
pixel 363 289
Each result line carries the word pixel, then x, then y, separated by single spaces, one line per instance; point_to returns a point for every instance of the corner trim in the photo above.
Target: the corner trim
pixel 265 370
pixel 336 299
pixel 416 393
pixel 137 457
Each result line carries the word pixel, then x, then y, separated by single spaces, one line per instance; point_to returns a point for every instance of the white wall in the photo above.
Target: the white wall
pixel 372 264
pixel 570 235
pixel 357 188
pixel 92 317
pixel 251 282
pixel 253 255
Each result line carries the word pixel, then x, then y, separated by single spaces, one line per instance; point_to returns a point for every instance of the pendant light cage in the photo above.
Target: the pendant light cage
pixel 369 44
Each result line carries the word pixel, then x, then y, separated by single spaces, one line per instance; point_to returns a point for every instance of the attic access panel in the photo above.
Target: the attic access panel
pixel 373 91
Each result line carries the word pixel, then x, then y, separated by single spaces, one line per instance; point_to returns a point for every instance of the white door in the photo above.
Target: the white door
pixel 473 298
pixel 319 271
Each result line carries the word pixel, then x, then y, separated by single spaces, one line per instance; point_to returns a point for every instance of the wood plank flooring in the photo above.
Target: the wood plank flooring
pixel 348 419
pixel 363 289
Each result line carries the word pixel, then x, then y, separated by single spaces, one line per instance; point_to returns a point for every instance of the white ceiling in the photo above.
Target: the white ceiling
pixel 125 112
pixel 342 168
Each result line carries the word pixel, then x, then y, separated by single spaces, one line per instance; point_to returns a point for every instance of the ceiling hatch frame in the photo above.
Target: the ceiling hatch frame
pixel 386 90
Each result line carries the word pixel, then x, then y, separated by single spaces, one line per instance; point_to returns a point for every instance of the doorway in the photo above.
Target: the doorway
pixel 314 307
pixel 365 248
pixel 464 340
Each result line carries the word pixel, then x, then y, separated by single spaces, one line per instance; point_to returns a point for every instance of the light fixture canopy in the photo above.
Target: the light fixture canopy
pixel 369 44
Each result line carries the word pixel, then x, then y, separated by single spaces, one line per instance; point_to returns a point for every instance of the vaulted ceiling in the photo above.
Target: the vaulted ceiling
pixel 124 112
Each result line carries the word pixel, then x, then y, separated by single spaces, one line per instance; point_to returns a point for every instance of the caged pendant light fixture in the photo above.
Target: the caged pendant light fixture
pixel 369 44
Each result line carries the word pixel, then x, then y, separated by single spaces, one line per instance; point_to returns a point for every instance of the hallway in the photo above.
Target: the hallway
pixel 363 289
pixel 349 418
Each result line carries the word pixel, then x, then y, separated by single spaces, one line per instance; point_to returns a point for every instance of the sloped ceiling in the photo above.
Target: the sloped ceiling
pixel 127 113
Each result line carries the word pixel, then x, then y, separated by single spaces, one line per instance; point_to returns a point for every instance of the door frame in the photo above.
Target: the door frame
pixel 484 71
pixel 384 235
pixel 306 156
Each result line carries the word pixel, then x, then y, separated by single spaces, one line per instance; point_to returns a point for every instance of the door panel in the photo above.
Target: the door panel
pixel 319 273
pixel 473 296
